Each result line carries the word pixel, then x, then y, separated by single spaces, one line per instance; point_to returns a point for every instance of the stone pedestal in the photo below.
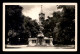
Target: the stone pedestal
pixel 40 41
pixel 31 43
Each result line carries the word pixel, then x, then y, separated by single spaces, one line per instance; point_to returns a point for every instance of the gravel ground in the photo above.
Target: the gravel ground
pixel 54 46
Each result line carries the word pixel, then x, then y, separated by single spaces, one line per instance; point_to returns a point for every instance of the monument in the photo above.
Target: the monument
pixel 41 40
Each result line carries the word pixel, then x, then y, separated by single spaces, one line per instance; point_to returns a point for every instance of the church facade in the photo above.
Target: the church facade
pixel 41 40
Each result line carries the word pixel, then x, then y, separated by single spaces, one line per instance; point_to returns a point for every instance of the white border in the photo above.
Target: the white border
pixel 39 49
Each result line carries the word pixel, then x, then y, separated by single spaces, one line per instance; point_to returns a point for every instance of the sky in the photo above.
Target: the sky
pixel 34 10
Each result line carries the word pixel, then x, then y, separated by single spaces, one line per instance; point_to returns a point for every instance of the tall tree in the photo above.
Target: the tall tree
pixel 62 25
pixel 67 24
pixel 14 20
pixel 31 26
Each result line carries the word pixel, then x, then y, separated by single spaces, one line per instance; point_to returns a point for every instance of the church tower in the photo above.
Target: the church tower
pixel 41 19
pixel 41 16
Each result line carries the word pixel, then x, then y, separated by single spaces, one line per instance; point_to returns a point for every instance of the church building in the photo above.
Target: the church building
pixel 40 40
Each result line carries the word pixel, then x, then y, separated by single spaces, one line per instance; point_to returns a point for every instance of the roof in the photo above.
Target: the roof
pixel 42 13
pixel 40 35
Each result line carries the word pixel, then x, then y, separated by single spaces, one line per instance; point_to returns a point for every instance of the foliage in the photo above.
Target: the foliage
pixel 18 27
pixel 61 26
pixel 67 24
pixel 31 27
pixel 14 20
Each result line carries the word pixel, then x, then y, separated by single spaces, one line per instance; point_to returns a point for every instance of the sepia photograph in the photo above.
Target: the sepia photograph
pixel 39 27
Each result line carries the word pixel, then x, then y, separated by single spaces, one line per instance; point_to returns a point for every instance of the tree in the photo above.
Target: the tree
pixel 31 26
pixel 61 25
pixel 48 26
pixel 14 21
pixel 68 11
pixel 19 27
pixel 67 24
